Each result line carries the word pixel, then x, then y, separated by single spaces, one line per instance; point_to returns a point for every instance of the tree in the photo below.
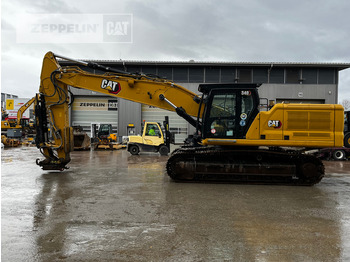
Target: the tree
pixel 346 104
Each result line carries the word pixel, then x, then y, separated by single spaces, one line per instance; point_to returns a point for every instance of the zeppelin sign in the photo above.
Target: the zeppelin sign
pixel 87 104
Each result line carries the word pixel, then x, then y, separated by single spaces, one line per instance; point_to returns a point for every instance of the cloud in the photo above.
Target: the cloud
pixel 238 31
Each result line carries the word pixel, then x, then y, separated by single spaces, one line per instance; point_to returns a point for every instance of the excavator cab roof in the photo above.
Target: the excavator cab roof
pixel 206 88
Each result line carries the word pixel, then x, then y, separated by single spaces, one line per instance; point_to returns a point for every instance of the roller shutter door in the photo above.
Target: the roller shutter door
pixel 177 125
pixel 94 110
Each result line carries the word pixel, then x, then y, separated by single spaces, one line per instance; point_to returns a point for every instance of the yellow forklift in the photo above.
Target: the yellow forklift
pixel 153 139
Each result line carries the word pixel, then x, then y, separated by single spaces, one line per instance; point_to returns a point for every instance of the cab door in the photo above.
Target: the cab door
pixel 229 113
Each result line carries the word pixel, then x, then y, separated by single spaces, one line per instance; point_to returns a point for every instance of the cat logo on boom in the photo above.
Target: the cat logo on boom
pixel 111 86
pixel 274 123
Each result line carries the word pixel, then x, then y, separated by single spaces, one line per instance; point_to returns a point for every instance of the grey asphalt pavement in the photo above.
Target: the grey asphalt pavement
pixel 112 206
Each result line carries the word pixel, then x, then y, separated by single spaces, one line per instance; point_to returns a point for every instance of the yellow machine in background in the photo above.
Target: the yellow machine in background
pixel 18 123
pixel 233 140
pixel 5 123
pixel 9 142
pixel 153 139
pixel 104 138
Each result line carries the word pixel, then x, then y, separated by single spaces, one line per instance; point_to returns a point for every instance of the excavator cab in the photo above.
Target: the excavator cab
pixel 24 122
pixel 230 109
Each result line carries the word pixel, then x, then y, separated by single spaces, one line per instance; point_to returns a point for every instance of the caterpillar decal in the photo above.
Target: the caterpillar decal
pixel 111 86
pixel 274 123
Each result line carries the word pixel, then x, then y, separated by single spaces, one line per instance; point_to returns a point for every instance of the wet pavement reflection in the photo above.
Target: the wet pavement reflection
pixel 112 206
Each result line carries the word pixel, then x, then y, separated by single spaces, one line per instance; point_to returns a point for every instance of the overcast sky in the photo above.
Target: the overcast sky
pixel 229 30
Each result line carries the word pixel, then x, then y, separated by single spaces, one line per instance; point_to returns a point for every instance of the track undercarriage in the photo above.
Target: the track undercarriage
pixel 249 166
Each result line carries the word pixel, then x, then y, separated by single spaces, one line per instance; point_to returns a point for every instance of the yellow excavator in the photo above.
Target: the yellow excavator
pixel 233 140
pixel 19 123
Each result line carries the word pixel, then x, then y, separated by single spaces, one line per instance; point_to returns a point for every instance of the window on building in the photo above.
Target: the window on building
pixel 277 75
pixel 244 75
pixel 165 72
pixel 119 67
pixel 196 74
pixel 260 75
pixel 293 75
pixel 228 74
pixel 336 76
pixel 133 69
pixel 180 74
pixel 326 76
pixel 309 75
pixel 149 70
pixel 212 75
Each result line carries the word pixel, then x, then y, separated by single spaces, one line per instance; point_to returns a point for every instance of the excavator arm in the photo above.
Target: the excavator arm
pixel 52 103
pixel 22 109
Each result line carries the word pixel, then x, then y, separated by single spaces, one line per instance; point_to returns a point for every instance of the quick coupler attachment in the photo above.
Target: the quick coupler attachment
pixel 49 164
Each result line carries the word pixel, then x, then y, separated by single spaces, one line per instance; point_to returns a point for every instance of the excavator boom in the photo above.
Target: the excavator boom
pixel 53 101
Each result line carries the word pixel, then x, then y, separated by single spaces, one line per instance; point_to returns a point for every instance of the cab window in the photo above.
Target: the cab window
pixel 247 105
pixel 223 106
pixel 152 130
pixel 222 116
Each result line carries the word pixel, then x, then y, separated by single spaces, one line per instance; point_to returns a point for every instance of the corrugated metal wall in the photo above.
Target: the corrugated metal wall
pixel 128 113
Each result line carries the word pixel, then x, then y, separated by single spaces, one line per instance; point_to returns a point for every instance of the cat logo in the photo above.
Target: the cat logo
pixel 274 123
pixel 111 86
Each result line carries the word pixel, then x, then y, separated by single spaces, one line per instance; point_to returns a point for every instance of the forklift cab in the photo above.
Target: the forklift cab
pixel 152 134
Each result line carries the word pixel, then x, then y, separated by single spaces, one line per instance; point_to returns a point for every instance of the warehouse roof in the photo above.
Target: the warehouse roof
pixel 339 66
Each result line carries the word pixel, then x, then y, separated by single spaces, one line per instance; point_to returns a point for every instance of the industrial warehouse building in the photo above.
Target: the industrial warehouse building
pixel 281 82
